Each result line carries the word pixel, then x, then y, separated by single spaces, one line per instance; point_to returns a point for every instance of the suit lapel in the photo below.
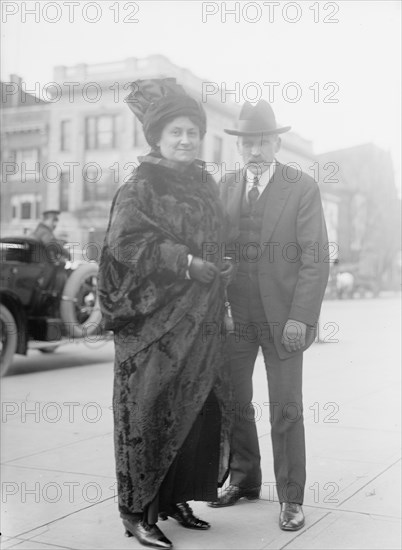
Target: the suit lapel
pixel 278 194
pixel 276 200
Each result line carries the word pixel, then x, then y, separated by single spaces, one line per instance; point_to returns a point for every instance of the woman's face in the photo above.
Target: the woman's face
pixel 180 140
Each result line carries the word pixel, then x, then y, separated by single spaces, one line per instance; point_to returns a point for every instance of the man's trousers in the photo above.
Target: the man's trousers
pixel 252 331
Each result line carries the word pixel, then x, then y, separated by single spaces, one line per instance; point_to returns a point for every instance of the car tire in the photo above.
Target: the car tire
pixel 9 339
pixel 69 307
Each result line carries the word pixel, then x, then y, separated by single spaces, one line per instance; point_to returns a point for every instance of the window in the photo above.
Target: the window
pixel 217 150
pixel 25 206
pixel 99 186
pixel 100 132
pixel 91 176
pixel 26 209
pixel 65 135
pixel 27 161
pixel 64 188
pixel 90 133
pixel 105 188
pixel 105 132
pixel 16 252
pixel 38 207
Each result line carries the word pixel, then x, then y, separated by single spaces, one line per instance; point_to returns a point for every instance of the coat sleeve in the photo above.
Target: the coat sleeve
pixel 135 240
pixel 313 241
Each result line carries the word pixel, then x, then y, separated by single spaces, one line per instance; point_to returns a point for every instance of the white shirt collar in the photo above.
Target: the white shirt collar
pixel 264 179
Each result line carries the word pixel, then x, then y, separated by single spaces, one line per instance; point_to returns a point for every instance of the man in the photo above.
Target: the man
pixel 55 251
pixel 44 231
pixel 277 236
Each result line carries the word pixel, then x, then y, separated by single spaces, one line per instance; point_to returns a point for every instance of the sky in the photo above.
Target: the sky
pixel 335 65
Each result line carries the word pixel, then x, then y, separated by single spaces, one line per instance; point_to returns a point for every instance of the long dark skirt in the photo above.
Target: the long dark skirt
pixel 194 472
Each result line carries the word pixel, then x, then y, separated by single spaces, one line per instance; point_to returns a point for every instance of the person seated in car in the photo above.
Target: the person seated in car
pixel 44 232
pixel 55 251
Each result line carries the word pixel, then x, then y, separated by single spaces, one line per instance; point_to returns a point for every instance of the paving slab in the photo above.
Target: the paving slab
pixel 40 414
pixel 349 443
pixel 23 544
pixel 347 531
pixel 329 481
pixel 381 495
pixel 7 542
pixel 94 455
pixel 24 440
pixel 248 526
pixel 31 498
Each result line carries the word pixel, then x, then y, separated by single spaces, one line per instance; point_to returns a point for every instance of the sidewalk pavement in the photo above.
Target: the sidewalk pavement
pixel 58 484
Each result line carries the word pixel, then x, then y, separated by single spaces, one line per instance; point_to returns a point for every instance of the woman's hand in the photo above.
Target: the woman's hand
pixel 202 271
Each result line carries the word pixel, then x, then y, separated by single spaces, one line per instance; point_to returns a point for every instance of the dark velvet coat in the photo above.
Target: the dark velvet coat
pixel 169 351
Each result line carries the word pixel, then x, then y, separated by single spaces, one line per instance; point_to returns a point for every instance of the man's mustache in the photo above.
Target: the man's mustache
pixel 257 161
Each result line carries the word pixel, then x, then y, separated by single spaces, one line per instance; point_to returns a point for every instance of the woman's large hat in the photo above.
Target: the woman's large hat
pixel 156 100
pixel 257 119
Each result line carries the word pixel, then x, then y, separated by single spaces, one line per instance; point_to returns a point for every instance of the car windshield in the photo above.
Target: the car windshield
pixel 15 252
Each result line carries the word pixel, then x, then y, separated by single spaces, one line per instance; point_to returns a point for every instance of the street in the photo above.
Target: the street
pixel 58 481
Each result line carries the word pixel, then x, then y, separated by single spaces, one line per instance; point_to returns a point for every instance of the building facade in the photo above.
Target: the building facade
pixel 89 143
pixel 368 213
pixel 24 152
pixel 96 140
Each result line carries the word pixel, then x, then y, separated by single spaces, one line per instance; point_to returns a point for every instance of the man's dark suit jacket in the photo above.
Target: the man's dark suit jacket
pixel 43 233
pixel 294 265
pixel 55 246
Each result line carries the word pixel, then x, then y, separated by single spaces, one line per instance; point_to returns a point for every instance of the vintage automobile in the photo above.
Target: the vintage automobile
pixel 46 298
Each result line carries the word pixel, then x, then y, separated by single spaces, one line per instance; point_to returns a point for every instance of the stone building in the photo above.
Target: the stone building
pixel 90 142
pixel 368 213
pixel 24 152
pixel 96 140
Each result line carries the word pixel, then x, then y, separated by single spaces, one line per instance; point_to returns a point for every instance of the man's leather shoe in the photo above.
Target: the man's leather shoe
pixel 148 535
pixel 232 494
pixel 291 517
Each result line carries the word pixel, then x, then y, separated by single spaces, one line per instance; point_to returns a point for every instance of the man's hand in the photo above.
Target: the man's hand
pixel 204 272
pixel 294 335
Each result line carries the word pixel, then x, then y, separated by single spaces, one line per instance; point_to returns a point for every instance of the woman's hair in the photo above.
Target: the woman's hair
pixel 155 132
pixel 167 109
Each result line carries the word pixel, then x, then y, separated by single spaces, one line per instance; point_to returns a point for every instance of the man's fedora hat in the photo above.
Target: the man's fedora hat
pixel 257 119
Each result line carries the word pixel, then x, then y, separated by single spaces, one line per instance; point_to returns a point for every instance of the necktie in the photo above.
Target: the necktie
pixel 253 194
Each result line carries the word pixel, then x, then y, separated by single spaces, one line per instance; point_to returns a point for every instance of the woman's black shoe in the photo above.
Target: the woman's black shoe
pixel 182 513
pixel 148 535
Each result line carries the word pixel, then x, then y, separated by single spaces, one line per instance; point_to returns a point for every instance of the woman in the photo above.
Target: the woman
pixel 165 305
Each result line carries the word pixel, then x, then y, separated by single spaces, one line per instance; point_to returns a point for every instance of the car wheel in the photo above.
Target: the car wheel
pixel 79 307
pixel 8 339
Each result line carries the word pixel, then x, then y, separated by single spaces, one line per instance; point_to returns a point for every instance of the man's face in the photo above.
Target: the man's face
pixel 55 221
pixel 258 152
pixel 51 221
